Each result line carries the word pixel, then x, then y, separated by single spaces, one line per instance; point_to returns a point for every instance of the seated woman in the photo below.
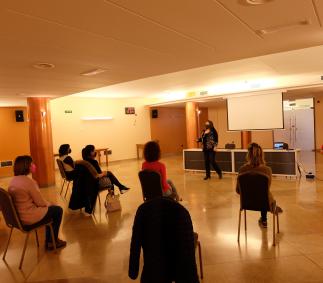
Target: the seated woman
pixel 152 156
pixel 89 154
pixel 68 162
pixel 32 208
pixel 256 164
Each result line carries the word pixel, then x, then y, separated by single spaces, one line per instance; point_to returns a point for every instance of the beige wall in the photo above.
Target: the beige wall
pixel 14 137
pixel 318 120
pixel 121 134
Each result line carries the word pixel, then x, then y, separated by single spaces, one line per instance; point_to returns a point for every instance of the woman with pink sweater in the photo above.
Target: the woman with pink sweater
pixel 32 208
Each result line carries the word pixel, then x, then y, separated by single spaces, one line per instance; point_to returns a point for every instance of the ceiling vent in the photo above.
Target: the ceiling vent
pixel 204 92
pixel 6 163
pixel 43 66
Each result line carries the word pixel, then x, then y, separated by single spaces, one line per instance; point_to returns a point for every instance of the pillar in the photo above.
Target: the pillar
pixel 245 139
pixel 41 142
pixel 191 124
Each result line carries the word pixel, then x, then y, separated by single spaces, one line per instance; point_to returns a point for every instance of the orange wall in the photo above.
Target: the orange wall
pixel 170 129
pixel 14 137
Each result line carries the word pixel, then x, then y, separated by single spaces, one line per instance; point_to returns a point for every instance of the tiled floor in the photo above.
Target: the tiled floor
pixel 98 248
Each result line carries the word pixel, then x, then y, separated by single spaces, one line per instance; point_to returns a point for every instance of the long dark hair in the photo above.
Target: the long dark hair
pixel 255 156
pixel 211 124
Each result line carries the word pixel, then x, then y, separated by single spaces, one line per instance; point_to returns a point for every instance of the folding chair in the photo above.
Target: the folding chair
pixel 12 220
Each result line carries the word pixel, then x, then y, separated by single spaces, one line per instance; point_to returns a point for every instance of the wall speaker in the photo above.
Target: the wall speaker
pixel 154 113
pixel 19 116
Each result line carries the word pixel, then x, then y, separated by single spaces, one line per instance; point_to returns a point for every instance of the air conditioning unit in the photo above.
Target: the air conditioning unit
pixel 6 163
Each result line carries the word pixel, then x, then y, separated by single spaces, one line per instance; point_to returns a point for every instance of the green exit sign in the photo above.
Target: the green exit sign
pixel 68 111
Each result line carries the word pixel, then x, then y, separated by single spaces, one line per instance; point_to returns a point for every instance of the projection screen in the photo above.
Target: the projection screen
pixel 256 112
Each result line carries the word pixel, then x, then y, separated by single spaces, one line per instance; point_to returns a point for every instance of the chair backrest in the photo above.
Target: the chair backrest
pixel 151 184
pixel 254 191
pixel 61 168
pixel 9 210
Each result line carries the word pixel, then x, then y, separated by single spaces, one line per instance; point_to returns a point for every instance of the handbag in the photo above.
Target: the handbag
pixel 112 203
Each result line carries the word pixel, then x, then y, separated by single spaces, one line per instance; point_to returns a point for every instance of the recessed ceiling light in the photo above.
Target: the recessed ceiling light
pixel 283 27
pixel 93 72
pixel 254 2
pixel 44 66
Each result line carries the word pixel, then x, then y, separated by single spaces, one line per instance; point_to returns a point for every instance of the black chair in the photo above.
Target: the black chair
pixel 64 176
pixel 12 220
pixel 151 184
pixel 152 188
pixel 86 190
pixel 254 196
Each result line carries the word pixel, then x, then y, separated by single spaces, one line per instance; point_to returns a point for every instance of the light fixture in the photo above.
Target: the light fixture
pixel 96 118
pixel 93 72
pixel 43 66
pixel 278 28
pixel 254 2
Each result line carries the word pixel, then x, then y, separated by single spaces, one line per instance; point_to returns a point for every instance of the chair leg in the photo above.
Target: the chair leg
pixel 37 240
pixel 24 251
pixel 245 220
pixel 62 187
pixel 239 225
pixel 200 259
pixel 5 252
pixel 277 216
pixel 274 230
pixel 52 236
pixel 68 184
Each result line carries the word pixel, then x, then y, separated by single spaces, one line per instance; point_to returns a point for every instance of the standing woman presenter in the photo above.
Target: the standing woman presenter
pixel 209 141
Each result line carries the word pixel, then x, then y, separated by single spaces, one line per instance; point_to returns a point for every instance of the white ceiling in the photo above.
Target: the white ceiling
pixel 285 70
pixel 143 38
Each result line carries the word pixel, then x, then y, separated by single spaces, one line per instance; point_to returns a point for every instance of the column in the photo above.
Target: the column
pixel 41 143
pixel 191 124
pixel 245 139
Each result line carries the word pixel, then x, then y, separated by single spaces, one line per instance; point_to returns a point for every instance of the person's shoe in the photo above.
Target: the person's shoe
pixel 262 223
pixel 59 244
pixel 207 177
pixel 124 190
pixel 220 176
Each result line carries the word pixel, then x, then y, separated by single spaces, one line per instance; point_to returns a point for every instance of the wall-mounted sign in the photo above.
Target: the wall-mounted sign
pixel 130 110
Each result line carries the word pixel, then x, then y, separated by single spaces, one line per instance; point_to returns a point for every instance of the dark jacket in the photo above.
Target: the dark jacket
pixel 95 164
pixel 210 140
pixel 163 229
pixel 85 187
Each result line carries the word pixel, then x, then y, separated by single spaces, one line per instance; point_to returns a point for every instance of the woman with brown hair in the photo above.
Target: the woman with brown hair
pixel 32 208
pixel 256 164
